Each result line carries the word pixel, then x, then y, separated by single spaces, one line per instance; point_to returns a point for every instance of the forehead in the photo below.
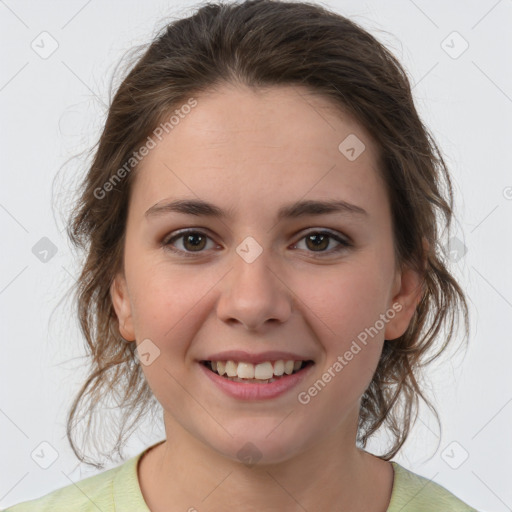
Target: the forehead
pixel 242 147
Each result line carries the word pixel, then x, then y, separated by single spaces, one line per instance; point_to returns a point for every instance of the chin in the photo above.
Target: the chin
pixel 258 443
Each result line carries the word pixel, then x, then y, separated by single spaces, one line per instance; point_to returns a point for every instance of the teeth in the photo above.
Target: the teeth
pixel 288 367
pixel 245 371
pixel 264 372
pixel 279 368
pixel 231 368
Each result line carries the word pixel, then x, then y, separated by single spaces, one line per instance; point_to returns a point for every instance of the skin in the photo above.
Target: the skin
pixel 252 151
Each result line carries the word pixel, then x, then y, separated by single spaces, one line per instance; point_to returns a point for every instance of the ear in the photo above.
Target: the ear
pixel 407 294
pixel 122 306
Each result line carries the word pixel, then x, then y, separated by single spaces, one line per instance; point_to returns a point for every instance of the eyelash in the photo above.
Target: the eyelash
pixel 167 243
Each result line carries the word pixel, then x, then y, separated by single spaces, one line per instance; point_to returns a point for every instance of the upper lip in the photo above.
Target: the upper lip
pixel 240 355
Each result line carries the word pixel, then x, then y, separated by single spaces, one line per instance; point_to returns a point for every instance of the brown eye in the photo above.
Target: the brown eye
pixel 319 241
pixel 194 241
pixel 191 241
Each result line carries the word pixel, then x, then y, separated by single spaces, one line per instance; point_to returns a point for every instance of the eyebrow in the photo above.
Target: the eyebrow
pixel 199 207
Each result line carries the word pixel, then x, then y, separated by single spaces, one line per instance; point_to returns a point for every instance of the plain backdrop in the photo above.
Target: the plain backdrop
pixel 57 59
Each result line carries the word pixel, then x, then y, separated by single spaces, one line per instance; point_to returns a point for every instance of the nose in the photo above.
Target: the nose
pixel 254 294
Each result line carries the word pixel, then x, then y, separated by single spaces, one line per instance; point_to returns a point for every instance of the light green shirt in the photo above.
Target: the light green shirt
pixel 118 490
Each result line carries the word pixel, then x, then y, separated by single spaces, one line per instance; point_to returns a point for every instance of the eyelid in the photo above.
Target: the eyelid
pixel 334 233
pixel 176 235
pixel 343 241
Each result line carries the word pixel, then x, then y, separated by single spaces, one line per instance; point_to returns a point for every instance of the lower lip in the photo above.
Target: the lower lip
pixel 255 391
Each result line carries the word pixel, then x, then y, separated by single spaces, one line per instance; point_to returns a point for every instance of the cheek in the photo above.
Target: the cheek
pixel 171 303
pixel 167 311
pixel 164 292
pixel 344 310
pixel 346 301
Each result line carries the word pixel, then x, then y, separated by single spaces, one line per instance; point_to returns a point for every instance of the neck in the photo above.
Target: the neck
pixel 184 474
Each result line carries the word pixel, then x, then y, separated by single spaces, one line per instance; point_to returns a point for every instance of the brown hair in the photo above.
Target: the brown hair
pixel 264 43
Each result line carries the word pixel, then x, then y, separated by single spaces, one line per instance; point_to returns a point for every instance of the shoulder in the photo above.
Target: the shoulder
pixel 97 492
pixel 415 493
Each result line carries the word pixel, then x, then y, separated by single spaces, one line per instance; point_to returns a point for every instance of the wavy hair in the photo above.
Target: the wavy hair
pixel 265 43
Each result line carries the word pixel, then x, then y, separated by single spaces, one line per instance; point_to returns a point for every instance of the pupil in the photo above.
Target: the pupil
pixel 190 238
pixel 318 240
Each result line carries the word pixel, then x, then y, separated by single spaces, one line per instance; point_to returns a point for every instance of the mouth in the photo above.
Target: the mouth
pixel 261 373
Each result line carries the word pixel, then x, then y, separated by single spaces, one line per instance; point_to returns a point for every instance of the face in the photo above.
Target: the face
pixel 307 285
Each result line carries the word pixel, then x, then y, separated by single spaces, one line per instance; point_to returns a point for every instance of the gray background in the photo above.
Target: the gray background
pixel 52 108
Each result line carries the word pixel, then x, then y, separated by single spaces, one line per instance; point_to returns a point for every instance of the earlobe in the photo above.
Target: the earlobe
pixel 122 307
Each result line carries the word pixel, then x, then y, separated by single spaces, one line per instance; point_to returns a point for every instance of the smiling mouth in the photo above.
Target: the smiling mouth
pixel 261 373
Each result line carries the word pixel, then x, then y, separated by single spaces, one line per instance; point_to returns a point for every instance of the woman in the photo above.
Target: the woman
pixel 263 262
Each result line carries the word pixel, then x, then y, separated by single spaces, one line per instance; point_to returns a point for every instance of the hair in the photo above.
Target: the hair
pixel 261 44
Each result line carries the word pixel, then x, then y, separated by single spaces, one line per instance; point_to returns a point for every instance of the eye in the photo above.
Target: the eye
pixel 319 241
pixel 192 241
